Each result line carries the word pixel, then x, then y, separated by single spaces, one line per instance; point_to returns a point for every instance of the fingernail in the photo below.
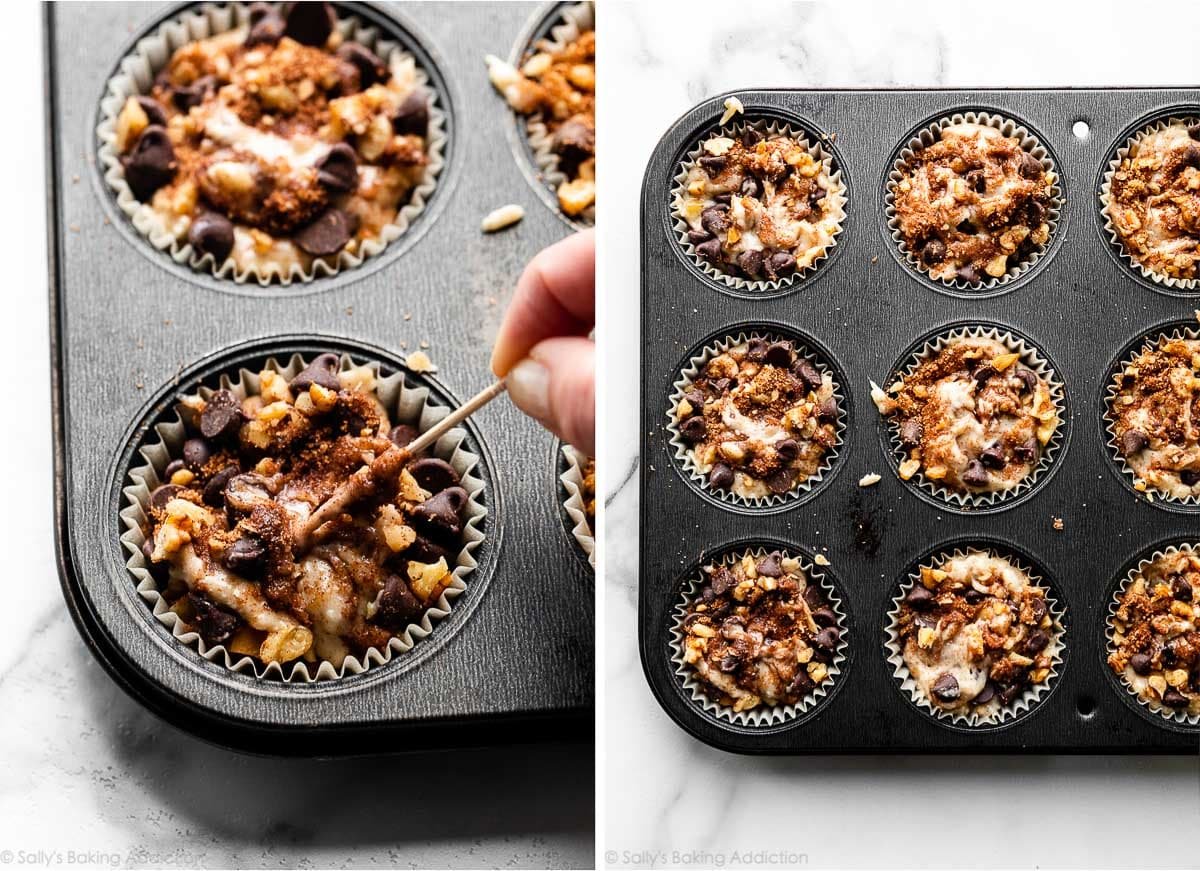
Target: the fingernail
pixel 529 387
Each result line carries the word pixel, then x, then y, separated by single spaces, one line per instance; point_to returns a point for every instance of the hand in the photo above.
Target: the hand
pixel 543 346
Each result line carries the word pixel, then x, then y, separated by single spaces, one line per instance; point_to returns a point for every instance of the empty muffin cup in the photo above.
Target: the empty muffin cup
pixel 227 486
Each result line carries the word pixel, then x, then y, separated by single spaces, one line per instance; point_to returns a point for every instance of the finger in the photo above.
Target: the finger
pixel 556 386
pixel 555 296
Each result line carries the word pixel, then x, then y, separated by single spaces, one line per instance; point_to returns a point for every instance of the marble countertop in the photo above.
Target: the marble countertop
pixel 671 800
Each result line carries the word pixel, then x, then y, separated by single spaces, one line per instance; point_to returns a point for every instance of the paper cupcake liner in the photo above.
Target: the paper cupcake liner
pixel 1154 708
pixel 1188 285
pixel 574 21
pixel 933 133
pixel 1032 357
pixel 136 76
pixel 761 715
pixel 572 481
pixel 405 404
pixel 734 130
pixel 1018 706
pixel 1110 396
pixel 683 451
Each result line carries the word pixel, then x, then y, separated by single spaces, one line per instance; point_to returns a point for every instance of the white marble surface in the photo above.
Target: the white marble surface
pixel 83 768
pixel 666 792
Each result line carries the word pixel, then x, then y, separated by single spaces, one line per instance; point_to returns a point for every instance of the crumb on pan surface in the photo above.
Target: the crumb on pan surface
pixel 502 217
pixel 558 85
pixel 1155 630
pixel 760 418
pixel 1154 201
pixel 223 525
pixel 760 632
pixel 974 204
pixel 976 633
pixel 277 143
pixel 1154 413
pixel 761 206
pixel 974 418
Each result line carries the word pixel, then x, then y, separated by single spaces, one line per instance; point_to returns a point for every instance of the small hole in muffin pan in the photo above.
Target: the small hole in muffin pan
pixel 393 26
pixel 1076 308
pixel 805 346
pixel 762 115
pixel 1185 327
pixel 1187 112
pixel 541 26
pixel 1086 706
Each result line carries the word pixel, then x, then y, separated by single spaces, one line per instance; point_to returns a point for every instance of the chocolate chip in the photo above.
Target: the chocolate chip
pixel 715 220
pixel 1010 692
pixel 1181 590
pixel 946 688
pixel 164 494
pixel 266 25
pixel 966 226
pixel 779 353
pixel 222 415
pixel 751 263
pixel 433 474
pixel 725 199
pixel 911 431
pixel 933 252
pixel 328 234
pixel 214 490
pixel 1036 214
pixel 815 195
pixel 787 449
pixel 698 236
pixel 1189 477
pixel 173 467
pixel 153 109
pixel 1030 167
pixel 770 565
pixel 969 274
pixel 1173 698
pixel 751 137
pixel 196 452
pixel 751 187
pixel 827 639
pixel 211 233
pixel 160 571
pixel 720 476
pixel 439 514
pixel 824 617
pixel 1035 642
pixel 993 457
pixel 918 598
pixel 426 551
pixel 1026 452
pixel 247 556
pixel 1194 131
pixel 721 580
pixel 187 96
pixel 151 164
pixel 1037 609
pixel 828 409
pixel 973 596
pixel 1028 378
pixel 412 118
pixel 779 265
pixel 730 662
pixel 713 165
pixel 402 435
pixel 309 23
pixel 214 624
pixel 396 606
pixel 370 66
pixel 801 683
pixel 1140 663
pixel 246 491
pixel 338 170
pixel 722 385
pixel 977 181
pixel 813 597
pixel 1133 441
pixel 695 399
pixel 693 429
pixel 1191 157
pixel 985 373
pixel 322 371
pixel 756 350
pixel 975 475
pixel 808 373
pixel 985 695
pixel 781 481
pixel 710 250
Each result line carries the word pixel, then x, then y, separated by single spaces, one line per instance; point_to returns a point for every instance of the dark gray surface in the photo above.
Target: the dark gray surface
pixel 130 321
pixel 1079 304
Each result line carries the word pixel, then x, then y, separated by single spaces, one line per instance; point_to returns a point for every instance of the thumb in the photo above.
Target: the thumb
pixel 556 386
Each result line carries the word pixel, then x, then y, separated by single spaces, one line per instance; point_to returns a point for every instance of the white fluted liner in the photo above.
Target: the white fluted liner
pixel 572 481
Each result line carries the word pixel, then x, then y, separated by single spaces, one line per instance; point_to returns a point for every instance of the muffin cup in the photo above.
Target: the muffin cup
pixel 1184 285
pixel 136 76
pixel 405 404
pixel 1110 396
pixel 734 130
pixel 574 21
pixel 683 451
pixel 1154 709
pixel 572 481
pixel 1032 357
pixel 928 136
pixel 893 646
pixel 760 716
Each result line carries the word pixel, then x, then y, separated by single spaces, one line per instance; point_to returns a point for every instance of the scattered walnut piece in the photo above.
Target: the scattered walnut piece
pixel 869 479
pixel 505 216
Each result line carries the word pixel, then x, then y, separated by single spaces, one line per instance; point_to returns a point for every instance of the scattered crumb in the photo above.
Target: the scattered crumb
pixel 1058 524
pixel 869 479
pixel 74 228
pixel 74 179
pixel 733 106
pixel 820 560
pixel 418 361
pixel 349 310
pixel 505 216
pixel 423 343
pixel 875 259
pixel 408 316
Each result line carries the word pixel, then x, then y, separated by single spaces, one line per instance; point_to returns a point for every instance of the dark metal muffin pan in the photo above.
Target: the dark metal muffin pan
pixel 1080 305
pixel 131 330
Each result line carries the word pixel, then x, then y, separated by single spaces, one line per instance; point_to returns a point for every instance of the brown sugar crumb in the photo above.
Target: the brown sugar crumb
pixel 1154 413
pixel 974 204
pixel 759 418
pixel 760 632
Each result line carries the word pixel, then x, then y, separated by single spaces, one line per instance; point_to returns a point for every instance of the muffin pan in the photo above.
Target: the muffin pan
pixel 1081 525
pixel 132 331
